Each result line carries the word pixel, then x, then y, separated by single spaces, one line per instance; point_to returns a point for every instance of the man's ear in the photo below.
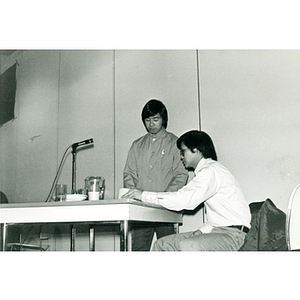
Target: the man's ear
pixel 195 150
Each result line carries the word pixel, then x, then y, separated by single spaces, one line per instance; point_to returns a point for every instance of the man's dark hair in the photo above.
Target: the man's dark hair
pixel 154 107
pixel 199 140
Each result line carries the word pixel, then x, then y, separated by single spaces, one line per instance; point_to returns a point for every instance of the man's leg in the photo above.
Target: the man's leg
pixel 142 238
pixel 220 239
pixel 170 242
pixel 164 230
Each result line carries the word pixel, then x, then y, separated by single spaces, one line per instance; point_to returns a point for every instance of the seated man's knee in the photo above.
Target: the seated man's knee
pixel 186 245
pixel 157 245
pixel 190 245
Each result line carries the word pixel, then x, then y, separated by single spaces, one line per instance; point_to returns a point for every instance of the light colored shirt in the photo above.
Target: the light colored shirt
pixel 153 164
pixel 214 185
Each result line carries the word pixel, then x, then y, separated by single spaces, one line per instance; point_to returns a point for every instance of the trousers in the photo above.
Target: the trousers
pixel 142 236
pixel 219 239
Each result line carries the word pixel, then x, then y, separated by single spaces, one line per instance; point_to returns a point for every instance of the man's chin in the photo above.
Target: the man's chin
pixel 153 131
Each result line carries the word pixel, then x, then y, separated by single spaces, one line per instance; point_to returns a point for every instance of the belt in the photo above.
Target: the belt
pixel 240 227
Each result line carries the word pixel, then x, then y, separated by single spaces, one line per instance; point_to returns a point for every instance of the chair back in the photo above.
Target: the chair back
pixel 293 220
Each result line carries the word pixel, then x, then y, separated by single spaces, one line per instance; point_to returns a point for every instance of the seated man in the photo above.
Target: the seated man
pixel 228 214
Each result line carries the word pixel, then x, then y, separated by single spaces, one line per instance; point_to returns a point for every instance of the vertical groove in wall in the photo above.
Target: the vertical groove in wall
pixel 199 110
pixel 58 105
pixel 114 122
pixel 198 87
pixel 114 118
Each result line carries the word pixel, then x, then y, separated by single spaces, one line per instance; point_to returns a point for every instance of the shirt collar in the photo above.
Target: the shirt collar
pixel 201 164
pixel 159 135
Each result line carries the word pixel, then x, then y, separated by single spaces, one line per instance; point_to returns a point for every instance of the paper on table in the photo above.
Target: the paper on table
pixel 75 197
pixel 122 191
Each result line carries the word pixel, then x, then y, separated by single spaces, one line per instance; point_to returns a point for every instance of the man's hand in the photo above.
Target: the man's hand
pixel 196 232
pixel 133 194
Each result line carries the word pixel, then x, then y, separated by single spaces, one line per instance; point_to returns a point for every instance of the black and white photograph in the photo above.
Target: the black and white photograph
pixel 120 143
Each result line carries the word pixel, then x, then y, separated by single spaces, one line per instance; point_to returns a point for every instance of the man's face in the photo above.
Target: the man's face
pixel 154 124
pixel 189 158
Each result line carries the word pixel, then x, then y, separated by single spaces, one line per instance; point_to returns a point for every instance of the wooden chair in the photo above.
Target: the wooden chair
pixel 293 220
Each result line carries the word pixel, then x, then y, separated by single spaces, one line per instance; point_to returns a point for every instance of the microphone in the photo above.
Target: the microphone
pixel 85 142
pixel 74 146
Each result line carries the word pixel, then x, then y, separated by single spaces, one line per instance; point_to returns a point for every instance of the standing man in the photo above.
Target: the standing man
pixel 228 214
pixel 153 164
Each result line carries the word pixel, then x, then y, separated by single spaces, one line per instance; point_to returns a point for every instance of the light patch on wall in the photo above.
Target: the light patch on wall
pixel 284 166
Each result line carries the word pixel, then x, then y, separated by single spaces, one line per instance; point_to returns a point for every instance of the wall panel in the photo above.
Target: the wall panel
pixel 87 111
pixel 250 106
pixel 32 146
pixel 9 139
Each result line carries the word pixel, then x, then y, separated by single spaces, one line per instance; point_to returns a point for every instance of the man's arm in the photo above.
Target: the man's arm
pixel 180 174
pixel 199 189
pixel 130 175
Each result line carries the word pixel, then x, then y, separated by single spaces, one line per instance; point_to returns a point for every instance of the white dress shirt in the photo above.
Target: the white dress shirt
pixel 214 185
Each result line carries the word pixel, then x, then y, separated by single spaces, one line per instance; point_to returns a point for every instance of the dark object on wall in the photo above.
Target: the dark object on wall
pixel 8 86
pixel 3 198
pixel 267 232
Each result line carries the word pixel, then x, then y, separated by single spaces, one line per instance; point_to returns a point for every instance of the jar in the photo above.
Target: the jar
pixel 95 186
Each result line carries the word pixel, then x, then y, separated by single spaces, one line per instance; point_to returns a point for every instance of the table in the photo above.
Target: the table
pixel 120 211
